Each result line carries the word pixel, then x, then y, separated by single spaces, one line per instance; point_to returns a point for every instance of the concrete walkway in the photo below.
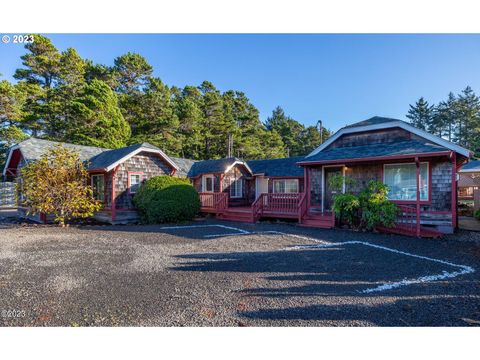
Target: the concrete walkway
pixel 468 223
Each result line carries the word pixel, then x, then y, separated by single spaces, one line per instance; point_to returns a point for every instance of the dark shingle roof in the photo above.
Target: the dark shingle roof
pixel 471 166
pixel 277 167
pixel 211 166
pixel 33 148
pixel 372 121
pixel 184 165
pixel 109 157
pixel 375 150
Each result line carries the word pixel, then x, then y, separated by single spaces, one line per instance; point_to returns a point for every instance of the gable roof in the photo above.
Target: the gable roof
pixel 95 157
pixel 471 166
pixel 109 159
pixel 33 148
pixel 399 148
pixel 378 123
pixel 215 166
pixel 277 167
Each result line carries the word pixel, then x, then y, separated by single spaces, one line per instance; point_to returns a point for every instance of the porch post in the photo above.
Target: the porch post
pixel 306 186
pixel 417 163
pixel 221 183
pixel 113 201
pixel 454 190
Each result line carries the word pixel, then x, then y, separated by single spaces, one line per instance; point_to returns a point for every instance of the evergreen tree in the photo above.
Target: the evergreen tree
pixel 421 115
pixel 468 119
pixel 98 120
pixel 289 129
pixel 445 115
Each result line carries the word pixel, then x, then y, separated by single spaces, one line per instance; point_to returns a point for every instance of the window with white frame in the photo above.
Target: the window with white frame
pixel 402 181
pixel 98 185
pixel 236 187
pixel 208 183
pixel 285 186
pixel 135 180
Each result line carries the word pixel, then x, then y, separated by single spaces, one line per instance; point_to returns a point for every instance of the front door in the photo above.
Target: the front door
pixel 261 186
pixel 329 192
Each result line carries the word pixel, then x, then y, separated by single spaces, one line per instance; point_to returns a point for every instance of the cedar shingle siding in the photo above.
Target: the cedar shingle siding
pixel 149 164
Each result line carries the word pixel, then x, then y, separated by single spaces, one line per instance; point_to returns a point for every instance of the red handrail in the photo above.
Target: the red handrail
pixel 302 207
pixel 209 200
pixel 285 203
pixel 407 217
pixel 257 208
pixel 222 202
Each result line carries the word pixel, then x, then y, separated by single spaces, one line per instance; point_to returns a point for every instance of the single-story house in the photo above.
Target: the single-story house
pixel 419 168
pixel 115 175
pixel 468 180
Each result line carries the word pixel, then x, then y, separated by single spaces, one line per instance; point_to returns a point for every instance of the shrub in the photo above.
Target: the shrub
pixel 476 214
pixel 166 199
pixel 57 184
pixel 346 207
pixel 376 208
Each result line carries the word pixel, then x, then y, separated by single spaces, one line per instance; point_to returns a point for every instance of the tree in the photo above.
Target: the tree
pixel 468 119
pixel 96 118
pixel 289 129
pixel 421 115
pixel 311 139
pixel 445 116
pixel 131 72
pixel 57 184
pixel 12 99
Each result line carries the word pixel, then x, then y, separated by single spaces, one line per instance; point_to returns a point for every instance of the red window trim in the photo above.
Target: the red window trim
pixel 128 180
pixel 410 202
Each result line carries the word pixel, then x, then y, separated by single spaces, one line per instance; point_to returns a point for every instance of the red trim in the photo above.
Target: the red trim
pixel 284 177
pixel 454 190
pixel 417 164
pixel 174 171
pixel 113 201
pixel 128 180
pixel 373 158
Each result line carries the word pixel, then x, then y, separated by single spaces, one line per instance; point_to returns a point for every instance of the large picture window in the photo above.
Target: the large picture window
pixel 285 186
pixel 402 181
pixel 98 185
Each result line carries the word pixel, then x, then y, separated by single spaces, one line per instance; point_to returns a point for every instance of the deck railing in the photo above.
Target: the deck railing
pixel 407 217
pixel 302 207
pixel 284 203
pixel 209 200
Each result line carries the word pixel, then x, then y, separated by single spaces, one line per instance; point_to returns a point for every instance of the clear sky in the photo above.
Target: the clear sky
pixel 340 79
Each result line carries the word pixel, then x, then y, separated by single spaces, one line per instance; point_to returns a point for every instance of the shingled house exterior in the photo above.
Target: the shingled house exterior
pixel 419 168
pixel 115 175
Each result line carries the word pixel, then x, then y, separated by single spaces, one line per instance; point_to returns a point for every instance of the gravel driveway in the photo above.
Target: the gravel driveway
pixel 234 275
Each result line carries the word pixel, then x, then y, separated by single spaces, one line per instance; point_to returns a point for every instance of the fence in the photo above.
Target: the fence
pixel 7 194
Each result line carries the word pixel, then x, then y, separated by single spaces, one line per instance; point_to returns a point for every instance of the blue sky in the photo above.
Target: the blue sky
pixel 340 79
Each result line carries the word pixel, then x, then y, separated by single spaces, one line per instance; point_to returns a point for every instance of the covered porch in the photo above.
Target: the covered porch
pixel 422 185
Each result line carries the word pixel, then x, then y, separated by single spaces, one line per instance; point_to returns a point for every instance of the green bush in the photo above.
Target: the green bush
pixel 376 208
pixel 476 214
pixel 166 199
pixel 346 207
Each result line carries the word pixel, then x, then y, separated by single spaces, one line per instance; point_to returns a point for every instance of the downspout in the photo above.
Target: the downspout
pixel 417 163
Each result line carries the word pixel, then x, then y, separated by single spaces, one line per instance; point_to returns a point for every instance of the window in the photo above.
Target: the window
pixel 133 183
pixel 402 181
pixel 98 185
pixel 236 187
pixel 208 183
pixel 285 186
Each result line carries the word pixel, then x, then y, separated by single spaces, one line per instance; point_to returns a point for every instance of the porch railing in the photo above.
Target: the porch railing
pixel 302 207
pixel 407 217
pixel 284 203
pixel 209 200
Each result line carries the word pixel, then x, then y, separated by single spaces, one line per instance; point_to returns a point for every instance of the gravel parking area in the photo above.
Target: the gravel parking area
pixel 210 273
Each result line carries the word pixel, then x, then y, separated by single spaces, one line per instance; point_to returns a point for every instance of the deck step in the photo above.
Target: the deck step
pixel 404 230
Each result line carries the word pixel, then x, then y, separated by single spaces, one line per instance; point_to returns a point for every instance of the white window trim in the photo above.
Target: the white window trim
pixel 285 180
pixel 130 182
pixel 98 175
pixel 240 181
pixel 204 183
pixel 412 163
